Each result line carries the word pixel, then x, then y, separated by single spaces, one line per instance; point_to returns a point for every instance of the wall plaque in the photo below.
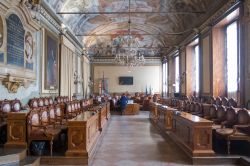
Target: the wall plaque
pixel 15 41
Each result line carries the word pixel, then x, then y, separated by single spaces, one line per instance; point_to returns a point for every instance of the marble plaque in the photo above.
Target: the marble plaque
pixel 15 41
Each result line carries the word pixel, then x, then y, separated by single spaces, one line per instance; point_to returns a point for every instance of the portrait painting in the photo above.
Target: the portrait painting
pixel 51 66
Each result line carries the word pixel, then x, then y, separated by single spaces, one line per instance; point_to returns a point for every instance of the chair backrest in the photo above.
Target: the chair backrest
pixel 40 102
pixel 232 103
pixel 192 107
pixel 16 105
pixel 188 106
pixel 44 117
pixel 72 107
pixel 58 111
pixel 221 113
pixel 213 111
pixel 50 101
pixel 46 101
pixel 224 101
pixel 68 108
pixel 198 108
pixel 34 118
pixel 231 116
pixel 6 106
pixel 243 117
pixel 212 100
pixel 33 103
pixel 52 112
pixel 218 101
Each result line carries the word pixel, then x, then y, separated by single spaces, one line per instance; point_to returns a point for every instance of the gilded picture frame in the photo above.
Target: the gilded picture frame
pixel 50 79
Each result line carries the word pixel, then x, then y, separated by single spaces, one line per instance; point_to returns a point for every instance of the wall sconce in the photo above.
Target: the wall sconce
pixel 77 78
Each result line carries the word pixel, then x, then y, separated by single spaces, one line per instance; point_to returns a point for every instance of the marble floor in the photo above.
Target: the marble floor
pixel 134 141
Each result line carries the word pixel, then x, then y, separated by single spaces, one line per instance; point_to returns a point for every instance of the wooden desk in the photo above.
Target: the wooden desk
pixel 16 129
pixel 165 115
pixel 153 114
pixel 193 134
pixel 83 133
pixel 132 109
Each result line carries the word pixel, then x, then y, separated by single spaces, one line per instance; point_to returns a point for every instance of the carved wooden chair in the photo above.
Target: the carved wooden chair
pixel 5 109
pixel 70 111
pixel 76 107
pixel 39 127
pixel 212 112
pixel 188 106
pixel 46 101
pixel 33 103
pixel 212 100
pixel 220 117
pixel 184 105
pixel 16 105
pixel 192 107
pixel 51 101
pixel 198 110
pixel 79 107
pixel 240 131
pixel 224 101
pixel 232 103
pixel 40 102
pixel 218 101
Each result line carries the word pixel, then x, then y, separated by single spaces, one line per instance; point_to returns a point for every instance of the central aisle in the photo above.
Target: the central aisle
pixel 134 141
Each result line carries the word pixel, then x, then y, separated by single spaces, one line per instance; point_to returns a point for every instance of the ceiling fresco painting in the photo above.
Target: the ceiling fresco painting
pixel 156 25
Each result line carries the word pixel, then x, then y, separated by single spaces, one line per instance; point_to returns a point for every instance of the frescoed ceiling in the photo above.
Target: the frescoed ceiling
pixel 156 25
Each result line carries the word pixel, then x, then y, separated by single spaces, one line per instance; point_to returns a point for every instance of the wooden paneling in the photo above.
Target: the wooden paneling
pixel 193 134
pixel 83 132
pixel 16 129
pixel 132 109
pixel 206 66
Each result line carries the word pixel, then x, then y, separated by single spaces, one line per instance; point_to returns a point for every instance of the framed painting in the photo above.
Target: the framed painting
pixel 50 63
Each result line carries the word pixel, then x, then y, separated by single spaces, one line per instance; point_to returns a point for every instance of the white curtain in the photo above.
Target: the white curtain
pixel 67 72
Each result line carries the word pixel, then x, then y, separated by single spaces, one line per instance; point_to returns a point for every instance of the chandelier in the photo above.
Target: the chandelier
pixel 128 53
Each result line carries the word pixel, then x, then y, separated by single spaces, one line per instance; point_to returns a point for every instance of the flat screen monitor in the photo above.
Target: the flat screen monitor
pixel 125 80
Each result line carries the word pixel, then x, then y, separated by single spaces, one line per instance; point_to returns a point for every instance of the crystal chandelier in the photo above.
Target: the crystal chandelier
pixel 128 53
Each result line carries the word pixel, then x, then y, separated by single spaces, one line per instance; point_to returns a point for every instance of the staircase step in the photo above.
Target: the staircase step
pixel 11 155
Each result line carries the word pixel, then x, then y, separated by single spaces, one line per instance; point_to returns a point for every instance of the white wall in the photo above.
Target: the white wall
pixel 144 76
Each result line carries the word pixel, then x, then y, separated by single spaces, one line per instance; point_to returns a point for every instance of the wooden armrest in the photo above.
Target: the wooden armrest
pixel 236 127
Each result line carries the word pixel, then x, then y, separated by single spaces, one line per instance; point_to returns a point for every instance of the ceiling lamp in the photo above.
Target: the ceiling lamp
pixel 127 52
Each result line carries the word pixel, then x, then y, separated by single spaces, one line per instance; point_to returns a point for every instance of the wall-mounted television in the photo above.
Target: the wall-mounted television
pixel 126 80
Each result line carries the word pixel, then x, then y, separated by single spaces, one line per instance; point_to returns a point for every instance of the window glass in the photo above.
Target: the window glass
pixel 177 77
pixel 232 54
